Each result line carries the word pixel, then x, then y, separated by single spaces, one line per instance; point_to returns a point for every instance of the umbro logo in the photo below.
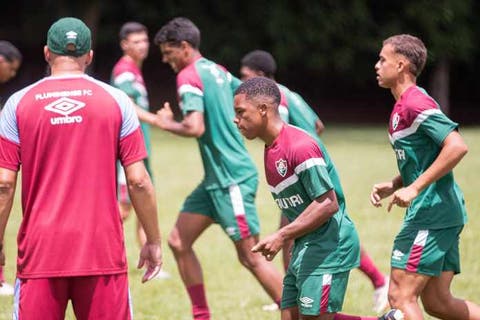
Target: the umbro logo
pixel 65 107
pixel 71 35
pixel 306 302
pixel 397 254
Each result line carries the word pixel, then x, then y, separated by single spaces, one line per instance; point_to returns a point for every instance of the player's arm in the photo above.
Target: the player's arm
pixel 452 151
pixel 8 181
pixel 142 195
pixel 316 214
pixel 192 124
pixel 319 126
pixel 144 115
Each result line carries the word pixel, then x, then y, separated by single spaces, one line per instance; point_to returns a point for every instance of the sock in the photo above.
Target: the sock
pixel 198 298
pixel 339 316
pixel 2 276
pixel 370 269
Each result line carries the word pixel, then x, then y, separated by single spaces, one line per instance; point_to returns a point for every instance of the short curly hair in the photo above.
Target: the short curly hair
pixel 260 86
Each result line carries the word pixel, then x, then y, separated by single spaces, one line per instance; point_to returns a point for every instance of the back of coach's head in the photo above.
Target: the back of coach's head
pixel 69 37
pixel 177 30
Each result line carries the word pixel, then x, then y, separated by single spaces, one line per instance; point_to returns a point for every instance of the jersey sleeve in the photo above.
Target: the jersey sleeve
pixel 234 82
pixel 190 91
pixel 437 125
pixel 132 145
pixel 9 135
pixel 125 82
pixel 311 169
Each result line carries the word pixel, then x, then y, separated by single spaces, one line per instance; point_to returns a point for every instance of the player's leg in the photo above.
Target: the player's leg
pixel 5 288
pixel 237 215
pixel 42 299
pixel 436 297
pixel 378 279
pixel 192 221
pixel 103 297
pixel 438 300
pixel 290 313
pixel 405 288
pixel 264 271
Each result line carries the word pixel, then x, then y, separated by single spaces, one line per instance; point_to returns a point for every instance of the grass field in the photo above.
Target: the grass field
pixel 362 156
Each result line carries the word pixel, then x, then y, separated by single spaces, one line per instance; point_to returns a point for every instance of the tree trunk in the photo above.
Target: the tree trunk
pixel 440 84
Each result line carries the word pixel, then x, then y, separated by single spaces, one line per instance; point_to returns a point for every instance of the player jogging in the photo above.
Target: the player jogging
pixel 425 254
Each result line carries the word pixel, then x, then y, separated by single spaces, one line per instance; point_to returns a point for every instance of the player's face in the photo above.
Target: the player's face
pixel 387 67
pixel 8 70
pixel 248 117
pixel 175 56
pixel 248 73
pixel 136 45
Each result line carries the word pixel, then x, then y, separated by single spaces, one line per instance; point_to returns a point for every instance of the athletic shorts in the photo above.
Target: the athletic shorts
pixel 122 188
pixel 314 294
pixel 428 252
pixel 232 208
pixel 93 297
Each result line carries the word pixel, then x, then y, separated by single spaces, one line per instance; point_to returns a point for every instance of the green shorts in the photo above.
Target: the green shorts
pixel 428 252
pixel 233 208
pixel 314 294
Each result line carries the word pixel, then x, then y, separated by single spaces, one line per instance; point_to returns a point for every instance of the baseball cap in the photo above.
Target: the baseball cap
pixel 69 37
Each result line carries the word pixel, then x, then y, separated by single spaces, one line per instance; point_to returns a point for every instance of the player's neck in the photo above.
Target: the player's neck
pixel 63 69
pixel 138 62
pixel 274 127
pixel 403 83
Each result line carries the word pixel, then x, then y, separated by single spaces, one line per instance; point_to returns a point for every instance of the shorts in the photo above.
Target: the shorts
pixel 428 252
pixel 122 188
pixel 315 294
pixel 93 297
pixel 233 207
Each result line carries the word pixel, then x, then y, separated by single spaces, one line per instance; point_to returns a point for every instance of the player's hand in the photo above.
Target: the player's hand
pixel 403 197
pixel 269 246
pixel 151 258
pixel 164 116
pixel 381 191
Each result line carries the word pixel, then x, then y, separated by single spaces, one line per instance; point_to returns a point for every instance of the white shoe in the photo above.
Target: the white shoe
pixel 162 274
pixel 270 307
pixel 6 289
pixel 380 297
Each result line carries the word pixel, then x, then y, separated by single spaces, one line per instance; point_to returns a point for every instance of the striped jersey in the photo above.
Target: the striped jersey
pixel 66 133
pixel 208 88
pixel 297 174
pixel 417 129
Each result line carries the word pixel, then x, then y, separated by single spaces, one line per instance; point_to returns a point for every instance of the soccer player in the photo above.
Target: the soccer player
pixel 67 131
pixel 227 192
pixel 127 76
pixel 427 145
pixel 10 61
pixel 294 110
pixel 326 244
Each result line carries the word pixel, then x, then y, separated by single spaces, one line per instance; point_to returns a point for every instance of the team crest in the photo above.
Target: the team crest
pixel 395 121
pixel 281 166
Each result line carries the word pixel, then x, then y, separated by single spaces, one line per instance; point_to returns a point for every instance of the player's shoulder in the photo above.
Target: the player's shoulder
pixel 188 75
pixel 416 101
pixel 298 139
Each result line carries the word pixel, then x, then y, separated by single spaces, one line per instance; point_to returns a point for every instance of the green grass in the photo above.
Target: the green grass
pixel 362 156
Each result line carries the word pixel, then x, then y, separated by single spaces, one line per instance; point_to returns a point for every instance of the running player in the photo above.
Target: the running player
pixel 326 244
pixel 427 145
pixel 127 76
pixel 226 194
pixel 67 131
pixel 10 61
pixel 299 113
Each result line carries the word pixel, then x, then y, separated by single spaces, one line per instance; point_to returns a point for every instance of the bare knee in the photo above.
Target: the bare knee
pixel 249 259
pixel 177 244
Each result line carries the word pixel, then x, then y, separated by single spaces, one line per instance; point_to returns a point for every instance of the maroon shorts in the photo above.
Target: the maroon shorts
pixel 93 297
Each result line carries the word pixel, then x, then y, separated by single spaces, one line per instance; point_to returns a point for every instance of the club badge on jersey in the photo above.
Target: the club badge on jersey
pixel 281 166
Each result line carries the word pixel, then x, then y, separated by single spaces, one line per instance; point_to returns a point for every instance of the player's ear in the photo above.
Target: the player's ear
pixel 123 45
pixel 89 58
pixel 46 54
pixel 262 108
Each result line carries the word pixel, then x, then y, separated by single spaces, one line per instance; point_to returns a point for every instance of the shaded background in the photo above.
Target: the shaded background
pixel 325 50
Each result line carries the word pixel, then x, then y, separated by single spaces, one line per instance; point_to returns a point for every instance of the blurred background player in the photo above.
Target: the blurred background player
pixel 226 194
pixel 427 144
pixel 326 243
pixel 127 76
pixel 10 61
pixel 298 113
pixel 67 131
